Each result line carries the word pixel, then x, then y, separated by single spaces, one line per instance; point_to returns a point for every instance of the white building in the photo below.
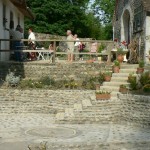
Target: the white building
pixel 11 10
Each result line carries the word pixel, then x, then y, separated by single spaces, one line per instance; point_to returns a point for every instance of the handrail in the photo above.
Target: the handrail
pixel 54 46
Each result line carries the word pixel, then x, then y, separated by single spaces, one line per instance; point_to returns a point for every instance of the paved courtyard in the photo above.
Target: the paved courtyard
pixel 19 131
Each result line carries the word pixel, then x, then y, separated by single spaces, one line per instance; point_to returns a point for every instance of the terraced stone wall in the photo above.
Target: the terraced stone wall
pixel 127 109
pixel 135 110
pixel 58 71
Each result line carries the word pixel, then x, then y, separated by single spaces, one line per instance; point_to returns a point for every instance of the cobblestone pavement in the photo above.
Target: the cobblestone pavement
pixel 19 131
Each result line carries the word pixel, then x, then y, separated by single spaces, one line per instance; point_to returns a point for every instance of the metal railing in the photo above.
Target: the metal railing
pixel 109 45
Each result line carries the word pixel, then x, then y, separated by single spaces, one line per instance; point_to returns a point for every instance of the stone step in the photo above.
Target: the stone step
pixel 110 88
pixel 126 66
pixel 120 75
pixel 114 83
pixel 130 70
pixel 119 79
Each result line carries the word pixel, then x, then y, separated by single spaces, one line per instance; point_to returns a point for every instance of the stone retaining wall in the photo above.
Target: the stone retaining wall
pixel 135 109
pixel 35 70
pixel 127 109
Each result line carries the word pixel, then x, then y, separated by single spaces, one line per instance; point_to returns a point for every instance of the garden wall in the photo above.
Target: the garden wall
pixel 135 110
pixel 36 70
pixel 127 109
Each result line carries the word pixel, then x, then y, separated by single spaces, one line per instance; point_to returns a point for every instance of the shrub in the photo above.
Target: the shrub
pixel 47 80
pixel 146 88
pixel 116 63
pixel 133 83
pixel 145 78
pixel 141 64
pixel 12 80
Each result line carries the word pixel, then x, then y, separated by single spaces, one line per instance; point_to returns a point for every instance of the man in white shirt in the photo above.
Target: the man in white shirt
pixel 31 42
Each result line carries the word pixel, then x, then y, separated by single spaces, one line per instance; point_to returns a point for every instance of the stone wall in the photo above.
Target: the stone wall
pixel 135 110
pixel 127 109
pixel 58 71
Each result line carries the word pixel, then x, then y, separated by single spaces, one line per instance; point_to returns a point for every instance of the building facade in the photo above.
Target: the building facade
pixel 132 22
pixel 11 10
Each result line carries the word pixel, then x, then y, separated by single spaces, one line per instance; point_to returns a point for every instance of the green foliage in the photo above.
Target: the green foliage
pixel 55 17
pixel 116 63
pixel 123 86
pixel 133 83
pixel 105 9
pixel 145 78
pixel 141 64
pixel 101 48
pixel 120 51
pixel 102 92
pixel 47 81
pixel 107 73
pixel 146 88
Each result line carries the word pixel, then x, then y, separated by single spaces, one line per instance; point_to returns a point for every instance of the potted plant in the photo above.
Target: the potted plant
pixel 131 77
pixel 120 54
pixel 116 66
pixel 107 76
pixel 100 80
pixel 123 89
pixel 103 95
pixel 140 69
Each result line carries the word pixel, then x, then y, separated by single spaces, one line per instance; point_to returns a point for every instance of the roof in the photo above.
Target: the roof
pixel 22 6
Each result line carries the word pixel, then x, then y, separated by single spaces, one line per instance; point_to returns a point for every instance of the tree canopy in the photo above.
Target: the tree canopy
pixel 57 16
pixel 104 9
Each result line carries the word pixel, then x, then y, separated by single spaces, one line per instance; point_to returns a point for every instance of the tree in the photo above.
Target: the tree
pixel 104 9
pixel 56 16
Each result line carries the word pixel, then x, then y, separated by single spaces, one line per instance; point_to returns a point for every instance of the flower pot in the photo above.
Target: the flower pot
pixel 103 96
pixel 116 69
pixel 90 61
pixel 140 70
pixel 120 58
pixel 123 90
pixel 107 78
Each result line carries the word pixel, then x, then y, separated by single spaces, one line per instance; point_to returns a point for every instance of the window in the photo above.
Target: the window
pixel 4 16
pixel 138 19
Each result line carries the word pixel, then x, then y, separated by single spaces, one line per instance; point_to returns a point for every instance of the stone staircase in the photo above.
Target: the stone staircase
pixel 92 110
pixel 119 79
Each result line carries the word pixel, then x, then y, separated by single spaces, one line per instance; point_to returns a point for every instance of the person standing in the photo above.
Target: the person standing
pixel 81 48
pixel 18 37
pixel 93 50
pixel 70 45
pixel 76 46
pixel 31 43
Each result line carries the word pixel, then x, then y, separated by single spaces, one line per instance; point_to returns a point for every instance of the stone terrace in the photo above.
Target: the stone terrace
pixel 71 119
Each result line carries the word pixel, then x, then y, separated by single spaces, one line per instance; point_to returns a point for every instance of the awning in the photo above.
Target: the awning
pixel 22 6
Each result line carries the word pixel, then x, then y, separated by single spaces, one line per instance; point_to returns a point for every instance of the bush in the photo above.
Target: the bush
pixel 141 64
pixel 145 78
pixel 146 88
pixel 133 83
pixel 12 80
pixel 47 80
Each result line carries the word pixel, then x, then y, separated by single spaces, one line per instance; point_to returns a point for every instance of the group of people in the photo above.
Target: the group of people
pixel 17 44
pixel 74 45
pixel 77 46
